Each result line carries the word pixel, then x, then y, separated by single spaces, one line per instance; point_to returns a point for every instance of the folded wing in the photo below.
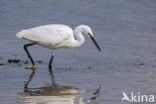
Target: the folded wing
pixel 52 34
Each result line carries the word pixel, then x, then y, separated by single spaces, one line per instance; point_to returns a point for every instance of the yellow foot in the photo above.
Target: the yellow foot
pixel 33 68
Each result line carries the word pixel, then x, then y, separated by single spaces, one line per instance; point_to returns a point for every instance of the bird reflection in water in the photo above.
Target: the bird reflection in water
pixel 52 94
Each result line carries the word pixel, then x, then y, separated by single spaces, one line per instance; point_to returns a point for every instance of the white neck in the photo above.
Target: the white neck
pixel 79 37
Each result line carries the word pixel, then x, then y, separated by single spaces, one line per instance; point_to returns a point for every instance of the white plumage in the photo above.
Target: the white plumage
pixel 50 36
pixel 56 36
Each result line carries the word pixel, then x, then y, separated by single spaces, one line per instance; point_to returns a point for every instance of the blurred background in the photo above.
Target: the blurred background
pixel 124 29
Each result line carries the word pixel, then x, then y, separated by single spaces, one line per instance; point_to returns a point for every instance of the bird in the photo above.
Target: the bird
pixel 54 36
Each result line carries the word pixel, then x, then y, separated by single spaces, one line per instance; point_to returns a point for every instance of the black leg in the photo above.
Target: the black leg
pixel 25 48
pixel 52 76
pixel 51 61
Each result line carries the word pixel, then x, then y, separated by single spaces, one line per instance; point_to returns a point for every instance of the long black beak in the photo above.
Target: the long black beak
pixel 94 41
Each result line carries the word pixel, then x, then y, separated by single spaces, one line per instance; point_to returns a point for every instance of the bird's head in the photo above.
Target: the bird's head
pixel 87 30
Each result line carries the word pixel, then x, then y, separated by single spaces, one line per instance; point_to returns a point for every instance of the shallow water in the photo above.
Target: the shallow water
pixel 124 29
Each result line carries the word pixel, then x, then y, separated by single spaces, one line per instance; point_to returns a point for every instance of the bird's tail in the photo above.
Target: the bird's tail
pixel 20 34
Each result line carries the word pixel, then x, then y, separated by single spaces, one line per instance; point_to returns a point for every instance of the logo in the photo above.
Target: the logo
pixel 137 98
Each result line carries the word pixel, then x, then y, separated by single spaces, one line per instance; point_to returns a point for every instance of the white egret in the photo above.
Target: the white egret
pixel 55 36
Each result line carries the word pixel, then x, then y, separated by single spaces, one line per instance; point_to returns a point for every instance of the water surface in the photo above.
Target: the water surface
pixel 124 29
